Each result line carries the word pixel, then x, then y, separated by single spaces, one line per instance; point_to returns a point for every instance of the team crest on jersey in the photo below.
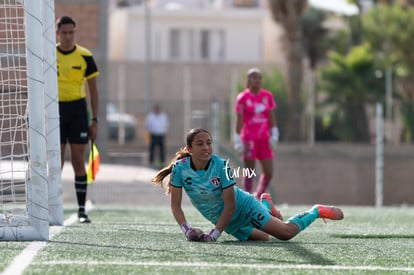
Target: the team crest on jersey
pixel 183 160
pixel 188 181
pixel 215 181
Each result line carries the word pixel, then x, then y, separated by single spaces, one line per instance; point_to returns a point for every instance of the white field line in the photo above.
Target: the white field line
pixel 235 265
pixel 25 258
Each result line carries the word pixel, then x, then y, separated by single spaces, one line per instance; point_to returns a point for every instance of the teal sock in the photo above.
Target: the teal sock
pixel 304 219
pixel 267 205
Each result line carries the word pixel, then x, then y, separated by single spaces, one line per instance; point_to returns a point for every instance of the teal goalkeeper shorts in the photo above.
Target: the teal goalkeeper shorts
pixel 250 214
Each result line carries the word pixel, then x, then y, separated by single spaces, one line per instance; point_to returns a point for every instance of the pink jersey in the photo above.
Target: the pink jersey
pixel 255 110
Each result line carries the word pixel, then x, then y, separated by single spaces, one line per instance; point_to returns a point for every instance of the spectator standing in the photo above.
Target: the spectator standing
pixel 156 124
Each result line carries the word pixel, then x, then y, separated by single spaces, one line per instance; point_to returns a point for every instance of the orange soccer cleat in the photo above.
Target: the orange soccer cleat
pixel 329 212
pixel 266 200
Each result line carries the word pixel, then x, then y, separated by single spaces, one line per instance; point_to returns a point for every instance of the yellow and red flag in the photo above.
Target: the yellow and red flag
pixel 94 163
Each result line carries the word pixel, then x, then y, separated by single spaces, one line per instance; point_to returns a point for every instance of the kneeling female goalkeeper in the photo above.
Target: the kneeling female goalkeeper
pixel 207 179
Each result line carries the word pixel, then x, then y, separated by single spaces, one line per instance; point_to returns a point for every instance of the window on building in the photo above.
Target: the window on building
pixel 175 44
pixel 205 44
pixel 195 45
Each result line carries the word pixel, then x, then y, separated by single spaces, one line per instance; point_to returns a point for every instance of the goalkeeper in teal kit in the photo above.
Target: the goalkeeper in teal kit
pixel 208 181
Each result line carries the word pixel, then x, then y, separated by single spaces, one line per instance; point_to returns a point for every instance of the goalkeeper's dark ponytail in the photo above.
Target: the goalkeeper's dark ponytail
pixel 166 171
pixel 182 153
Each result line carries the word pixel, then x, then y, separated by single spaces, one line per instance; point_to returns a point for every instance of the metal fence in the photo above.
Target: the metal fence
pixel 219 118
pixel 203 95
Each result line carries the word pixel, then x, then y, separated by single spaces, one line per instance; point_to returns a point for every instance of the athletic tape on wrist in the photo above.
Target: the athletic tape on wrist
pixel 215 233
pixel 185 227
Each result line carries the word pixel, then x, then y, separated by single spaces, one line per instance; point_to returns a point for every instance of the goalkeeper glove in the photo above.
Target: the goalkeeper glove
pixel 192 234
pixel 211 237
pixel 238 144
pixel 274 137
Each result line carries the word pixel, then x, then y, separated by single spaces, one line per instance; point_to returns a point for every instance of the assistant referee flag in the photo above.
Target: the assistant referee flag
pixel 93 165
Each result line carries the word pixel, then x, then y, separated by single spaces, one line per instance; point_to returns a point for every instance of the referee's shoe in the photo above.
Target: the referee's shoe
pixel 83 218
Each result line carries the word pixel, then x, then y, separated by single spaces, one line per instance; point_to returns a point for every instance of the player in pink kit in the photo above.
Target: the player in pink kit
pixel 256 131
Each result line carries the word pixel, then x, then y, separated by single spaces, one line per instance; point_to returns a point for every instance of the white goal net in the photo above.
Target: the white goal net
pixel 30 188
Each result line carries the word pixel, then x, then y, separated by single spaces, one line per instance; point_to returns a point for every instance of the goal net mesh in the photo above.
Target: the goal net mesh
pixel 13 114
pixel 30 190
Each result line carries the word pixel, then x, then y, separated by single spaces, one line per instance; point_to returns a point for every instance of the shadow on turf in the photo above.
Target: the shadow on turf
pixel 304 254
pixel 295 248
pixel 374 236
pixel 93 245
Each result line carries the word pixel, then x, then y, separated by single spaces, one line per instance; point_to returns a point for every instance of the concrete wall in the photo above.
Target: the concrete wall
pixel 336 173
pixel 342 174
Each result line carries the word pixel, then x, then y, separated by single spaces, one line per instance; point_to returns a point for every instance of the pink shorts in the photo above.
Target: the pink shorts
pixel 257 149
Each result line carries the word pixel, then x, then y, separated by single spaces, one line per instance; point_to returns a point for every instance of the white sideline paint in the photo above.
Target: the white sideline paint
pixel 238 265
pixel 25 258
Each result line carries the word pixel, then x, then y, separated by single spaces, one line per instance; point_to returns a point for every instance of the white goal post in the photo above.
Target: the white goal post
pixel 30 168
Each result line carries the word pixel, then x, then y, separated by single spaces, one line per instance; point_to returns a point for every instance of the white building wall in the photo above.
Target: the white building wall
pixel 135 39
pixel 118 30
pixel 236 35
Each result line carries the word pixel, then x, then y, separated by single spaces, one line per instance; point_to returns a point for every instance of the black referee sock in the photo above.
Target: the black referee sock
pixel 80 187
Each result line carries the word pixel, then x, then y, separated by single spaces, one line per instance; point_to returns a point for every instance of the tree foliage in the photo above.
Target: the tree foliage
pixel 389 30
pixel 350 82
pixel 314 36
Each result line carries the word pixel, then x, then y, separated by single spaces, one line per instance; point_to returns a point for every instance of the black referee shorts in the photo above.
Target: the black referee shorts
pixel 73 122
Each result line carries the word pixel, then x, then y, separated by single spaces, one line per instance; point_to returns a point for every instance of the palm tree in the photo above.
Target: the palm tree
pixel 351 85
pixel 315 43
pixel 288 13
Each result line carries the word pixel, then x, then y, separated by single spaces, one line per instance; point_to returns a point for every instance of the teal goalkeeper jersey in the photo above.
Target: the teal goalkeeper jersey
pixel 205 187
